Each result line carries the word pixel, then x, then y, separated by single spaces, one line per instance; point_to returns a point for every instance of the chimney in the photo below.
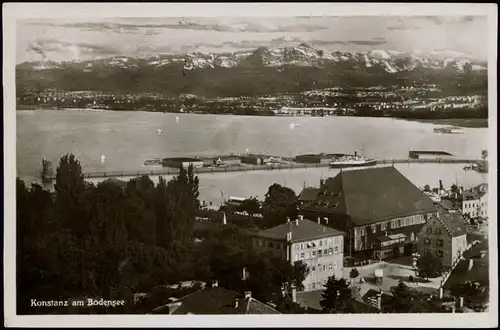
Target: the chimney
pixel 215 284
pixel 294 293
pixel 236 302
pixel 326 220
pixel 355 153
pixel 244 276
pixel 460 302
pixel 440 185
pixel 301 217
pixel 248 294
pixel 379 299
pixel 289 236
pixel 321 182
pixel 319 220
pixel 471 264
pixel 297 222
pixel 441 293
pixel 288 219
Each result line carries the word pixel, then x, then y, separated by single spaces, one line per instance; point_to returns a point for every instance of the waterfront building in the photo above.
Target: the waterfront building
pixel 379 209
pixel 182 161
pixel 445 236
pixel 475 202
pixel 320 247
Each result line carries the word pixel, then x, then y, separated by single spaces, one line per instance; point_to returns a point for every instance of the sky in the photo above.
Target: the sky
pixel 86 39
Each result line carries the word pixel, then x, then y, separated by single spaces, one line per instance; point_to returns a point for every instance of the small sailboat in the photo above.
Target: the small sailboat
pixel 159 130
pixel 103 158
pixel 177 119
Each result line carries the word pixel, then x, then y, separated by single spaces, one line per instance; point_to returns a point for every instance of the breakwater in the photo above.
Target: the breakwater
pixel 246 168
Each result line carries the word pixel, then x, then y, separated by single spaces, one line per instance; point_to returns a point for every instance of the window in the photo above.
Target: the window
pixel 269 244
pixel 383 226
pixel 336 249
pixel 439 242
pixel 278 246
pixel 320 253
pixel 330 242
pixel 361 231
pixel 401 222
pixel 440 253
pixel 296 256
pixel 330 266
pixel 314 254
pixel 438 231
pixel 302 255
pixel 324 267
pixel 320 243
pixel 374 228
pixel 330 251
pixel 313 268
pixel 429 230
pixel 427 241
pixel 302 246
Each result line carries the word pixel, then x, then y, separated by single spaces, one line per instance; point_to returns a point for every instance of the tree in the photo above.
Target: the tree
pixel 408 300
pixel 280 203
pixel 429 266
pixel 336 296
pixel 250 206
pixel 454 188
pixel 427 188
pixel 484 154
pixel 354 273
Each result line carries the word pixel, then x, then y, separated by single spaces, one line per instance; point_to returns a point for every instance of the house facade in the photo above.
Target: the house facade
pixel 379 209
pixel 320 247
pixel 445 236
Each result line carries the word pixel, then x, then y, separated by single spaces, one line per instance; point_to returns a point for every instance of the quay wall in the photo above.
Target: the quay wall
pixel 245 168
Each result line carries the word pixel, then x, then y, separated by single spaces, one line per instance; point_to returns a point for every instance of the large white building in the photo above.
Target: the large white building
pixel 320 247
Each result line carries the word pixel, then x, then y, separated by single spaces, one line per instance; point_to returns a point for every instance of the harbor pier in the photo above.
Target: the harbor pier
pixel 245 168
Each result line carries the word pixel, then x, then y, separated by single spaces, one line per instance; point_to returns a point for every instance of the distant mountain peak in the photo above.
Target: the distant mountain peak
pixel 303 54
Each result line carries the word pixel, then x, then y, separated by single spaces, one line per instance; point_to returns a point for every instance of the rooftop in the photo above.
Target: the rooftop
pixel 454 223
pixel 371 195
pixel 304 231
pixel 470 195
pixel 431 152
pixel 218 300
pixel 308 194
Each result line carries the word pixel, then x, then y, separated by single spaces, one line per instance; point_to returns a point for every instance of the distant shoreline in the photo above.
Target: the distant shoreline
pixel 459 122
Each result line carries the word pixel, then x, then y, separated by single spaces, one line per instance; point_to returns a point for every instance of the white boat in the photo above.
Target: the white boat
pixel 352 161
pixel 449 130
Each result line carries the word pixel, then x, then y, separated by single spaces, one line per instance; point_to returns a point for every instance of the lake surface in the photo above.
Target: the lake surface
pixel 128 138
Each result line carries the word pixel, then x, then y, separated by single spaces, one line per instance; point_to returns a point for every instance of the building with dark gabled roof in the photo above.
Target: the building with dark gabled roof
pixel 320 247
pixel 444 235
pixel 215 300
pixel 370 204
pixel 308 194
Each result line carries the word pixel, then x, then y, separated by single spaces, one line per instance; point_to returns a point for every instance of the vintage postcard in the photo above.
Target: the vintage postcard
pixel 250 165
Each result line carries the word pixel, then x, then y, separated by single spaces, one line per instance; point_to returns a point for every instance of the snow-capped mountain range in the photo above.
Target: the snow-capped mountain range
pixel 301 55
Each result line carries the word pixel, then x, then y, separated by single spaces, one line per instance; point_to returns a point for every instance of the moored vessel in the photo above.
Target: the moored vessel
pixel 449 130
pixel 352 161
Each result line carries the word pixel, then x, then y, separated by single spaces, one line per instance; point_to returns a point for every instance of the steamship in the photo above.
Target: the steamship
pixel 352 161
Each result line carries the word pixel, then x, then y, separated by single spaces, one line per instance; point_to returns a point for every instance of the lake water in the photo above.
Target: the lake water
pixel 128 138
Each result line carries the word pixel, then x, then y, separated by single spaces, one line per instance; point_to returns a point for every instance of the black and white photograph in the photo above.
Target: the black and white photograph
pixel 175 161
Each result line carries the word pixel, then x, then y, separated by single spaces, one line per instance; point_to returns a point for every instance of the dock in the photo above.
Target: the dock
pixel 248 168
